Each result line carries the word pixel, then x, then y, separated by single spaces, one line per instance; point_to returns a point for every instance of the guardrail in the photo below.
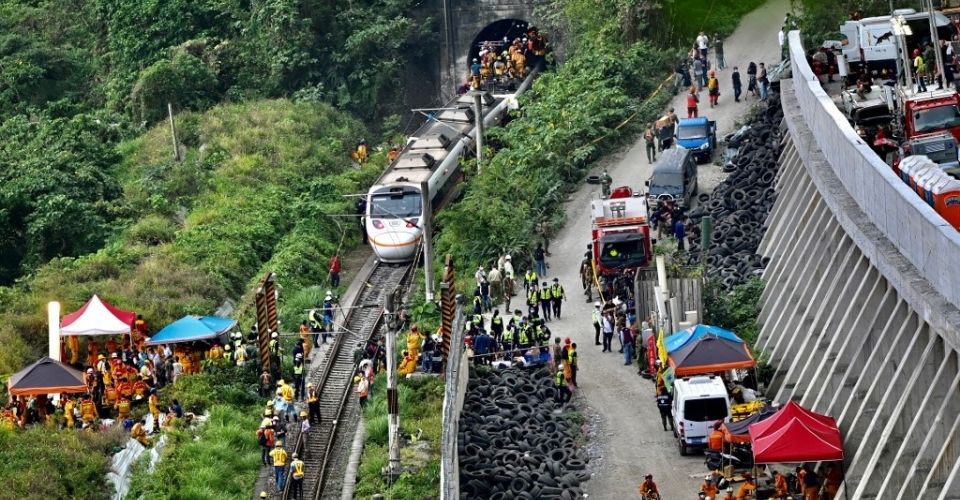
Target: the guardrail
pixel 920 235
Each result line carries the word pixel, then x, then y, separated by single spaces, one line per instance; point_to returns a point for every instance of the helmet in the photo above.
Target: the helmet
pixel 474 59
pixel 596 304
pixel 309 384
pixel 278 392
pixel 101 357
pixel 226 347
pixel 274 335
pixel 89 370
pixel 507 257
pixel 708 478
pixel 263 494
pixel 113 355
pixel 303 413
pixel 356 380
pixel 294 455
pixel 270 403
pixel 279 444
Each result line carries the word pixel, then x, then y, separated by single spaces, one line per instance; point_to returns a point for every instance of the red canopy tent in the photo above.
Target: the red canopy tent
pixel 97 317
pixel 819 423
pixel 795 442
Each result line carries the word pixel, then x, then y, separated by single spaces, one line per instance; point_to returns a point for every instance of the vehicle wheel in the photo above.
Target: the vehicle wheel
pixel 683 448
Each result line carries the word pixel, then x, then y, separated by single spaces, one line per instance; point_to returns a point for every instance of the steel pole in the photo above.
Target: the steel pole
pixel 478 104
pixel 393 422
pixel 427 210
pixel 935 40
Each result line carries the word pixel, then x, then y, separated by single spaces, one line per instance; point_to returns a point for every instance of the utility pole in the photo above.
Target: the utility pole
pixel 935 40
pixel 427 211
pixel 173 134
pixel 393 422
pixel 478 104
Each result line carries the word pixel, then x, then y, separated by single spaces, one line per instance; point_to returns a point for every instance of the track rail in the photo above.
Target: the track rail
pixel 334 380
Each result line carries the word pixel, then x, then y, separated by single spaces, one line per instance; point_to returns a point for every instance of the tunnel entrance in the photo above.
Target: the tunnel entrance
pixel 496 32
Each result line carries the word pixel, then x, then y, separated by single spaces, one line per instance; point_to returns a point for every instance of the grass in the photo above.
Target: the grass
pixel 420 401
pixel 687 18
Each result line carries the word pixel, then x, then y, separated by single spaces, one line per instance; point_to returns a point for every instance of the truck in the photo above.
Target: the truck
pixel 870 44
pixel 698 402
pixel 620 232
pixel 699 135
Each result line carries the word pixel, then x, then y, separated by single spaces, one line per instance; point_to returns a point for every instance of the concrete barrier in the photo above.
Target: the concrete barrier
pixel 457 375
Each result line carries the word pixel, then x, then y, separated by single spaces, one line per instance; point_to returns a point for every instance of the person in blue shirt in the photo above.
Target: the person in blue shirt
pixel 680 231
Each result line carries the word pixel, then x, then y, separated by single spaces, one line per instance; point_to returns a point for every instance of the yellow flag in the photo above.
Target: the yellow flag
pixel 662 349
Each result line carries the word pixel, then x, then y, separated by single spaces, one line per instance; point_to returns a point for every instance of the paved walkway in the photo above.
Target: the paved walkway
pixel 627 436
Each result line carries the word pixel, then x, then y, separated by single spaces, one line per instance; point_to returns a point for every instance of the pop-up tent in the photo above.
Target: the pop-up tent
pixel 795 434
pixel 710 353
pixel 817 422
pixel 97 317
pixel 739 432
pixel 682 338
pixel 46 376
pixel 795 442
pixel 192 328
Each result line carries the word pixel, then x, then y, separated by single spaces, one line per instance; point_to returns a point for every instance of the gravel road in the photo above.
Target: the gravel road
pixel 627 440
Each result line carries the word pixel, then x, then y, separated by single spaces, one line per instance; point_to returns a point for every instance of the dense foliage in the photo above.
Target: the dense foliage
pixel 420 402
pixel 221 457
pixel 252 193
pixel 821 20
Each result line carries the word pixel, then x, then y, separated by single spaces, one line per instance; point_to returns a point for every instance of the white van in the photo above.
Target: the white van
pixel 871 44
pixel 698 402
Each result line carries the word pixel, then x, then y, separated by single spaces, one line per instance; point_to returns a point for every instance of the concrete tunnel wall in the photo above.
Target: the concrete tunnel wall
pixel 859 315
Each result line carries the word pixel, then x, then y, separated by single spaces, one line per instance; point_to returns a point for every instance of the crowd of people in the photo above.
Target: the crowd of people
pixel 504 63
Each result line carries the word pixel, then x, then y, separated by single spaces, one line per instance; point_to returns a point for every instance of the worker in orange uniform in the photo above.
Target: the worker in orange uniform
pixel 74 345
pixel 780 485
pixel 139 433
pixel 715 440
pixel 648 488
pixel 810 484
pixel 832 480
pixel 140 330
pixel 408 365
pixel 307 341
pixel 414 339
pixel 729 494
pixel 68 407
pixel 125 389
pixel 153 402
pixel 140 389
pixel 748 489
pixel 709 488
pixel 110 396
pixel 360 155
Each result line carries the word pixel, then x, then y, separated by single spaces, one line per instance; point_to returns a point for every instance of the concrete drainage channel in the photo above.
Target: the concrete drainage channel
pixel 740 204
pixel 512 444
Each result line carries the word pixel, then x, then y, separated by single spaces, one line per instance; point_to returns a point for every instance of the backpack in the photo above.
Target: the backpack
pixel 261 437
pixel 538 254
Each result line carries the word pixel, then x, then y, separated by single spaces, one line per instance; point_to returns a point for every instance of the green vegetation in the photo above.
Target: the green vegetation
pixel 738 311
pixel 217 459
pixel 79 460
pixel 821 20
pixel 678 22
pixel 420 400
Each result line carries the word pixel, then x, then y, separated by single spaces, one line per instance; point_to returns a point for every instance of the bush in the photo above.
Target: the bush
pixel 183 81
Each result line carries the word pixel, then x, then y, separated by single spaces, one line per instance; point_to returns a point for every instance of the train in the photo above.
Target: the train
pixel 395 205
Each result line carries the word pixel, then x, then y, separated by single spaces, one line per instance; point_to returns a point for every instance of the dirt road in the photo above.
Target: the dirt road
pixel 627 440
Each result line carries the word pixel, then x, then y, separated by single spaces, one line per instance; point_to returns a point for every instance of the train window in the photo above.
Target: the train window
pixel 395 205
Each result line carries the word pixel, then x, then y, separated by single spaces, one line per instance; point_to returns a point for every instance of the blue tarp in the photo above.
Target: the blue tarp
pixel 683 337
pixel 191 328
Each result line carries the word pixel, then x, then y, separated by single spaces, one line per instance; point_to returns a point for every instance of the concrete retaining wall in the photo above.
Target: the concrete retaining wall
pixel 859 314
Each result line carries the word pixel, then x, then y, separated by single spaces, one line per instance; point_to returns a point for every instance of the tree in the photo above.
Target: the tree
pixel 183 80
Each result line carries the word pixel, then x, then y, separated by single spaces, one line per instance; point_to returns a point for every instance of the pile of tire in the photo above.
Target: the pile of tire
pixel 740 204
pixel 512 445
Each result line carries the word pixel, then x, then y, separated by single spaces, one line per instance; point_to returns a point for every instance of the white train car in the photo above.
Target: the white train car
pixel 395 205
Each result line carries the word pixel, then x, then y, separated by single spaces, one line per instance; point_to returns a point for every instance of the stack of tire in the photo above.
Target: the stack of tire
pixel 512 445
pixel 740 204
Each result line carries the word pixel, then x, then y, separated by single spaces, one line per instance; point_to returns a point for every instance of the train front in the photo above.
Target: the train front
pixel 393 221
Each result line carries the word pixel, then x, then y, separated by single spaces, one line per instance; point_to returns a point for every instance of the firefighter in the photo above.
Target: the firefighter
pixel 313 404
pixel 139 433
pixel 88 410
pixel 68 407
pixel 360 154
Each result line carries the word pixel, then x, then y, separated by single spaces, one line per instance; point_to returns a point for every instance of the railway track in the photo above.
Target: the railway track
pixel 335 379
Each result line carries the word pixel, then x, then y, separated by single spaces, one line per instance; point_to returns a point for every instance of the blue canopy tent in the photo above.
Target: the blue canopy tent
pixel 192 328
pixel 683 338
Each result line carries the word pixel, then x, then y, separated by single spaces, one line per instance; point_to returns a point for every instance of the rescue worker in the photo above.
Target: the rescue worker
pixel 605 182
pixel 68 407
pixel 88 410
pixel 287 392
pixel 298 387
pixel 307 341
pixel 545 300
pixel 274 348
pixel 414 340
pixel 305 430
pixel 407 365
pixel 573 362
pixel 779 485
pixel 360 154
pixel 748 489
pixel 110 396
pixel 665 405
pixel 729 494
pixel 496 326
pixel 74 345
pixel 123 408
pixel 713 89
pixel 296 476
pixel 832 481
pixel 648 488
pixel 8 421
pixel 709 488
pixel 393 154
pixel 692 102
pixel 563 392
pixel 557 295
pixel 279 458
pixel 363 389
pixel 153 403
pixel 533 300
pixel 313 403
pixel 328 304
pixel 597 320
pixel 139 433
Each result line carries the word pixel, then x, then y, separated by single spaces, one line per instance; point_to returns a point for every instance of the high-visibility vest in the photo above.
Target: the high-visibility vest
pixel 508 335
pixel 545 294
pixel 154 403
pixel 532 298
pixel 560 378
pixel 596 318
pixel 240 356
pixel 497 321
pixel 279 456
pixel 297 466
pixel 557 291
pixel 298 369
pixel 572 356
pixel 531 277
pixel 312 396
pixel 275 347
pixel 123 407
pixel 523 335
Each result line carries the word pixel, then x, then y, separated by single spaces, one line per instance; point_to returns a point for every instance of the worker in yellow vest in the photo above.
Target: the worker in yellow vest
pixel 8 421
pixel 74 345
pixel 123 408
pixel 279 457
pixel 313 404
pixel 68 407
pixel 296 486
pixel 88 410
pixel 154 403
pixel 139 433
